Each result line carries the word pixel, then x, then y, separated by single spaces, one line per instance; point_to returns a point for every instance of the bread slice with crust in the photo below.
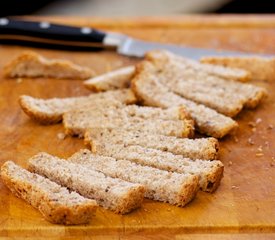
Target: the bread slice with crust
pixel 184 77
pixel 56 203
pixel 32 65
pixel 162 56
pixel 209 172
pixel 111 193
pixel 201 148
pixel 174 188
pixel 117 79
pixel 151 92
pixel 260 68
pixel 49 111
pixel 77 122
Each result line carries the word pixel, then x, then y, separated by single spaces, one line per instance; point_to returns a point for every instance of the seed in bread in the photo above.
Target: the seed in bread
pixel 260 68
pixel 116 79
pixel 56 203
pixel 49 111
pixel 32 65
pixel 201 148
pixel 228 97
pixel 161 57
pixel 209 172
pixel 111 193
pixel 152 93
pixel 77 122
pixel 174 188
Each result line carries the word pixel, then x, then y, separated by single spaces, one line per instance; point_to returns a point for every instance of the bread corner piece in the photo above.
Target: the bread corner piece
pixel 57 204
pixel 32 65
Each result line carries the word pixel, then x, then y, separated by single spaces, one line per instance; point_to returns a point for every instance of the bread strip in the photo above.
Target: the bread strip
pixel 233 73
pixel 111 193
pixel 226 96
pixel 209 172
pixel 30 64
pixel 152 93
pixel 77 122
pixel 49 111
pixel 56 203
pixel 259 67
pixel 116 79
pixel 174 188
pixel 202 148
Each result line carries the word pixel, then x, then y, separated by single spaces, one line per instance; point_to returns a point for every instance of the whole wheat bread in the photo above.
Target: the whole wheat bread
pixel 152 93
pixel 48 111
pixel 174 188
pixel 30 64
pixel 111 193
pixel 56 203
pixel 202 148
pixel 209 172
pixel 116 79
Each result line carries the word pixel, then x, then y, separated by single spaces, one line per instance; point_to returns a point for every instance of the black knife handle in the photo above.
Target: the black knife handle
pixel 50 34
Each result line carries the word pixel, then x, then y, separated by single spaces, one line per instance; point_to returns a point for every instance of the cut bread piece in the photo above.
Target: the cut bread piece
pixel 32 65
pixel 209 172
pixel 48 111
pixel 151 92
pixel 161 57
pixel 226 96
pixel 56 203
pixel 77 122
pixel 260 68
pixel 202 148
pixel 116 79
pixel 174 188
pixel 111 193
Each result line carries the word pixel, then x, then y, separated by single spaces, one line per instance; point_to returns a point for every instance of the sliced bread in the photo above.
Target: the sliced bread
pixel 161 57
pixel 151 92
pixel 201 148
pixel 111 193
pixel 260 68
pixel 48 111
pixel 56 203
pixel 174 188
pixel 116 79
pixel 226 96
pixel 32 65
pixel 77 122
pixel 209 172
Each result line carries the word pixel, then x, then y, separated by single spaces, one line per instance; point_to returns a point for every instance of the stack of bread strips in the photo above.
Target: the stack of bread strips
pixel 170 122
pixel 192 81
pixel 209 172
pixel 31 65
pixel 201 148
pixel 174 188
pixel 151 92
pixel 116 79
pixel 111 193
pixel 48 111
pixel 261 68
pixel 56 203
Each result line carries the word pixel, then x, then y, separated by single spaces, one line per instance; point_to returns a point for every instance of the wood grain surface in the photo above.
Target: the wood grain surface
pixel 244 205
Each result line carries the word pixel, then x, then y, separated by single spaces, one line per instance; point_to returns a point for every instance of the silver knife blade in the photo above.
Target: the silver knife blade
pixel 137 48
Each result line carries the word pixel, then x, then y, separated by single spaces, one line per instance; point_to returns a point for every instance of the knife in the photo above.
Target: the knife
pixel 46 34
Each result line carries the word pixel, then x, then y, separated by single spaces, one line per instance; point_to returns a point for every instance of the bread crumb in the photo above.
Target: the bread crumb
pixel 258 120
pixel 260 149
pixel 236 139
pixel 234 187
pixel 252 124
pixel 254 129
pixel 270 126
pixel 19 80
pixel 61 136
pixel 169 209
pixel 250 141
pixel 230 163
pixel 259 154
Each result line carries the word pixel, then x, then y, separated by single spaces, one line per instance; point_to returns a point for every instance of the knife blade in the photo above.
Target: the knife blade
pixel 46 34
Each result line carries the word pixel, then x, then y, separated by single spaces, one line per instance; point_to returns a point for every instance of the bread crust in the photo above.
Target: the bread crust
pixel 29 189
pixel 30 64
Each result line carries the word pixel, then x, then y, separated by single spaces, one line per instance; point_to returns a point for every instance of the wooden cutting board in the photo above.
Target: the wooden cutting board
pixel 244 204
